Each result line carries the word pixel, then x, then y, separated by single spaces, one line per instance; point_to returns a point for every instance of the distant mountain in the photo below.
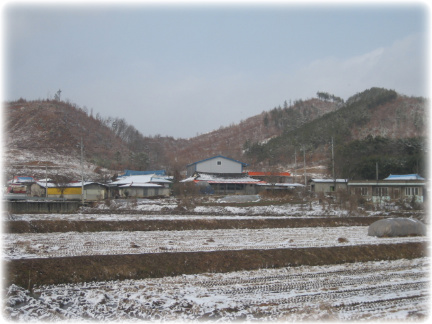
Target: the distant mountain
pixel 43 138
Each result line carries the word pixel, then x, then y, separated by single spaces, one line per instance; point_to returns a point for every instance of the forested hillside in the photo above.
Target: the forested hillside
pixel 377 125
pixel 49 134
pixel 231 141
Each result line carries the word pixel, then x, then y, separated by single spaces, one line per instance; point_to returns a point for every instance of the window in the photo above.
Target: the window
pixel 219 162
pixel 361 191
pixel 411 191
pixel 380 191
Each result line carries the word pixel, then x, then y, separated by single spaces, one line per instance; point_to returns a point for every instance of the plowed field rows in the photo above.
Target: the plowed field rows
pixel 43 245
pixel 357 291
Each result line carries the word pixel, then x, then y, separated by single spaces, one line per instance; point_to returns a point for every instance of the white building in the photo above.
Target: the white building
pixel 141 186
pixel 217 165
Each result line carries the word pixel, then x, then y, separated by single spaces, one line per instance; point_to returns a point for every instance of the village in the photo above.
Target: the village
pixel 245 255
pixel 218 175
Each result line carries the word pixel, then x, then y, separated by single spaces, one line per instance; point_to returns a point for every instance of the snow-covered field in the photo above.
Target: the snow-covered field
pixel 42 245
pixel 385 290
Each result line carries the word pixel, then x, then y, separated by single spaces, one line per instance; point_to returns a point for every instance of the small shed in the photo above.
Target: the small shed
pixel 328 185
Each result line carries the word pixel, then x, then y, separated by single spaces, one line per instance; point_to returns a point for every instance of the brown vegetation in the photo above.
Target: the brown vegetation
pixel 29 272
pixel 50 226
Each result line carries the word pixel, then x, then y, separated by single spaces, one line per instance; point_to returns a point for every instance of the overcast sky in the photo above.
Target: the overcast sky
pixel 183 69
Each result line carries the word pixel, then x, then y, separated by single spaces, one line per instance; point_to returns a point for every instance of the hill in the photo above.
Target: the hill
pixel 231 141
pixel 43 138
pixel 377 125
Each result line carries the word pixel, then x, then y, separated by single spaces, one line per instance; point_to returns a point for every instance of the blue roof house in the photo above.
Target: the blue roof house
pixel 404 177
pixel 128 173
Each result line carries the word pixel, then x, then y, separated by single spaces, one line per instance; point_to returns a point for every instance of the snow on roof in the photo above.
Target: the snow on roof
pixel 135 179
pixel 263 174
pixel 68 185
pixel 140 179
pixel 22 179
pixel 190 179
pixel 290 185
pixel 330 180
pixel 404 177
pixel 152 185
pixel 211 178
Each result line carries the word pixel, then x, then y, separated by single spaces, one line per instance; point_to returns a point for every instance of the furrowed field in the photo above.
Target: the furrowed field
pixel 216 263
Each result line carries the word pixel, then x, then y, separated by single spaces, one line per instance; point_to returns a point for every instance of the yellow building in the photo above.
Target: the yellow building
pixel 73 191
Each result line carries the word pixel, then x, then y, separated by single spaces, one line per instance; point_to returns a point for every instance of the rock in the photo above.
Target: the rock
pixel 392 227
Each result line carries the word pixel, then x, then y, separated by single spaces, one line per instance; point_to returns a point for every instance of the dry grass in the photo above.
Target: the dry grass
pixel 150 265
pixel 50 226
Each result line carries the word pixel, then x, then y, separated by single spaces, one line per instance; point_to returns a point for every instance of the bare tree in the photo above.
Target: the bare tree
pixel 57 95
pixel 61 182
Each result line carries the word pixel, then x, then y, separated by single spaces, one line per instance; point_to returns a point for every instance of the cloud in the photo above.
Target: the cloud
pixel 401 66
pixel 198 103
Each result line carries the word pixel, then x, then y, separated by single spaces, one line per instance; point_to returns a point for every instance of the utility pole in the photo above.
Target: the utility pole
pixel 304 165
pixel 377 171
pixel 295 164
pixel 82 173
pixel 46 181
pixel 333 169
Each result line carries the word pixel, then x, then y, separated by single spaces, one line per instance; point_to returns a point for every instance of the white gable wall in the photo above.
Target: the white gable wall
pixel 219 165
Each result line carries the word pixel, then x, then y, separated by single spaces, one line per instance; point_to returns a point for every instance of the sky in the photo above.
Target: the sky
pixel 184 68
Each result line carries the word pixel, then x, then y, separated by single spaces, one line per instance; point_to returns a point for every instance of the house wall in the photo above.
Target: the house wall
pixel 190 170
pixel 68 193
pixel 379 192
pixel 94 194
pixel 37 191
pixel 219 165
pixel 234 188
pixel 320 187
pixel 144 192
pixel 326 187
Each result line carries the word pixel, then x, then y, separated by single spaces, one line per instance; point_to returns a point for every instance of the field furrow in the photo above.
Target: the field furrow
pixel 359 291
pixel 50 245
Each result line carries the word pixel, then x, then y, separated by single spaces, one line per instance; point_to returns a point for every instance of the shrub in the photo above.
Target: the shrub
pixel 342 240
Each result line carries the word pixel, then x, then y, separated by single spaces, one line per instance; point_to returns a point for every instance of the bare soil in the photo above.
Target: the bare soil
pixel 50 226
pixel 30 272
